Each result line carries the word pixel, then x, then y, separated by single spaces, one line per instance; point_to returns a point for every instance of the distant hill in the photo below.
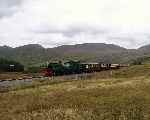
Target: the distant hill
pixel 35 54
pixel 145 50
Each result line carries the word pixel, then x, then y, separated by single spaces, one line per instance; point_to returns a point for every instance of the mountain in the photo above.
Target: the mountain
pixel 88 51
pixel 34 54
pixel 145 49
pixel 5 51
pixel 94 48
pixel 30 54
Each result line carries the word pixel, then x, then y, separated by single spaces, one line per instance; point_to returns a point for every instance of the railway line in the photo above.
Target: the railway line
pixel 8 84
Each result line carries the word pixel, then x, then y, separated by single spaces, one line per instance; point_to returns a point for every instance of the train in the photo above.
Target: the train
pixel 76 67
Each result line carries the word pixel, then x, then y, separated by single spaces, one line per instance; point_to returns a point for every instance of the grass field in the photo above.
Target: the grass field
pixel 17 75
pixel 110 95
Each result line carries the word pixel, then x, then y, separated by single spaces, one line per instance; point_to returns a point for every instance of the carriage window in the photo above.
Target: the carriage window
pixel 87 66
pixel 67 65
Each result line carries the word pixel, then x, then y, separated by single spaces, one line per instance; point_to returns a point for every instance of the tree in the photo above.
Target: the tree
pixel 10 66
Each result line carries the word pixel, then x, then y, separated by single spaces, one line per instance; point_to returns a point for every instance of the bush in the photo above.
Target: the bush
pixel 137 62
pixel 10 66
pixel 34 69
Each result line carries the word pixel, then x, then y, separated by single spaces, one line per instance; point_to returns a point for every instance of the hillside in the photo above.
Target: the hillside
pixel 35 54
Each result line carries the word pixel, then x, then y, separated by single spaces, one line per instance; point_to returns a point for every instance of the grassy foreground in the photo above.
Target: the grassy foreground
pixel 119 95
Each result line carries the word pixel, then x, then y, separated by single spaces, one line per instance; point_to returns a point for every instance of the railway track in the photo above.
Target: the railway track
pixel 24 78
pixel 12 83
pixel 27 81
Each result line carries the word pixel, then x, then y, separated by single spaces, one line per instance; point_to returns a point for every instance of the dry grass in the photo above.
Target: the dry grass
pixel 79 100
pixel 99 98
pixel 16 75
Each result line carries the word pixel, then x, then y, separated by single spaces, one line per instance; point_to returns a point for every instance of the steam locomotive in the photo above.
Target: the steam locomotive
pixel 76 67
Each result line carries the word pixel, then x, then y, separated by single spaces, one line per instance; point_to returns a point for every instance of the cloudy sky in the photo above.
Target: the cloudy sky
pixel 58 22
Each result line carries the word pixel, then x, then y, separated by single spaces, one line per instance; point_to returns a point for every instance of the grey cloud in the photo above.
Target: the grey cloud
pixel 9 3
pixel 134 41
pixel 71 31
pixel 127 39
pixel 92 34
pixel 9 7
